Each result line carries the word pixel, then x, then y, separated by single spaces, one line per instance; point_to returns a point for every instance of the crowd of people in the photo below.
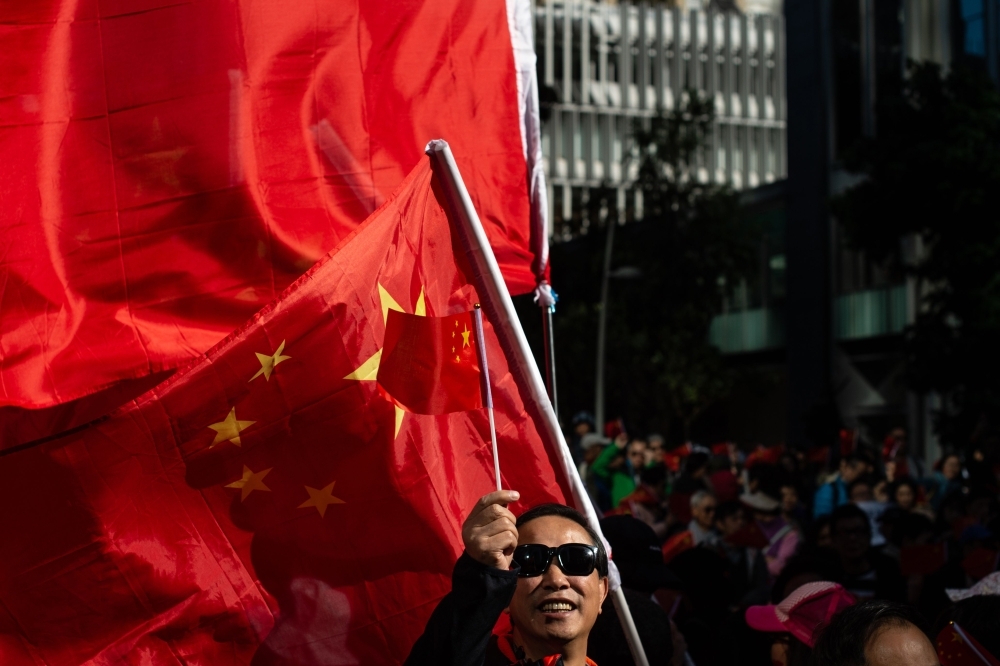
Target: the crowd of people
pixel 736 556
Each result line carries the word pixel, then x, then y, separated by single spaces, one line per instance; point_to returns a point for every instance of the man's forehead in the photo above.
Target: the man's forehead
pixel 552 531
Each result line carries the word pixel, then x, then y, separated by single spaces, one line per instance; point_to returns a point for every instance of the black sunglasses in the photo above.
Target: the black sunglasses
pixel 575 559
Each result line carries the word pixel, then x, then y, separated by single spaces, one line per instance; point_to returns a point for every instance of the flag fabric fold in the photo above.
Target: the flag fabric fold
pixel 171 167
pixel 268 503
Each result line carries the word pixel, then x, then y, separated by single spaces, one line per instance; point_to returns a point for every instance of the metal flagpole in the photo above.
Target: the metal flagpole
pixel 547 301
pixel 484 382
pixel 496 300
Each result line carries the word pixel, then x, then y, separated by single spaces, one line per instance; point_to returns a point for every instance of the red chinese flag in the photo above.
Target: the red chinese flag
pixel 957 647
pixel 268 504
pixel 677 544
pixel 170 167
pixel 429 364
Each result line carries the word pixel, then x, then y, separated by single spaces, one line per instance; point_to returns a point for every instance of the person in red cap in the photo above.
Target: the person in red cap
pixel 796 619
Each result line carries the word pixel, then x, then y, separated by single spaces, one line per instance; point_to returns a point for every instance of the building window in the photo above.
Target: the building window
pixel 974 42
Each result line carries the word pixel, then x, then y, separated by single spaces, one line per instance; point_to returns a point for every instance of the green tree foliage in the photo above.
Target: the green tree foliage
pixel 690 245
pixel 933 174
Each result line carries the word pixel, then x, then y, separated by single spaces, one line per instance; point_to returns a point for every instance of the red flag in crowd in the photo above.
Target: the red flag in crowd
pixel 677 544
pixel 269 503
pixel 169 168
pixel 957 647
pixel 769 455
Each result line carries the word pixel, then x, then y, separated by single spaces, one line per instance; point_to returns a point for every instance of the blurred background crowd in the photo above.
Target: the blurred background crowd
pixel 710 540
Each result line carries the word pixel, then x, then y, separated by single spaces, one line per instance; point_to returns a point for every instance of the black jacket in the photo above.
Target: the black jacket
pixel 459 630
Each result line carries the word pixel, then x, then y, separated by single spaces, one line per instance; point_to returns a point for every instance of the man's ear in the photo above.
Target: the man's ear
pixel 605 588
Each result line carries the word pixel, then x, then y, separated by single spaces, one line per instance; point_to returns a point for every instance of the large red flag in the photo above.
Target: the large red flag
pixel 170 167
pixel 268 503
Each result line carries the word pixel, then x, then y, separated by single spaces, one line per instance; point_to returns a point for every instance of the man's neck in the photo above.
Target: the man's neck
pixel 574 653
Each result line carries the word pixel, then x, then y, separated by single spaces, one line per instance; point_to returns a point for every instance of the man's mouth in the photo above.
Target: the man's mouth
pixel 556 607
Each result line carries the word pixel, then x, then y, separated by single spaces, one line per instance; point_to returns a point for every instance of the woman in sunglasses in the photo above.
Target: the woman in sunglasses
pixel 546 569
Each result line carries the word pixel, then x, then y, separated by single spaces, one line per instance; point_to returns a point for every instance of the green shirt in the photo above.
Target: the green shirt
pixel 622 483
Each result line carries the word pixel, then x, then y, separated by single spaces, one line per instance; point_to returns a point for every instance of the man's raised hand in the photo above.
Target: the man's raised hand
pixel 489 532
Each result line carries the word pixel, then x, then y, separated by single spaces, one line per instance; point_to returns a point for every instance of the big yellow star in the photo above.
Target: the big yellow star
pixel 250 482
pixel 321 499
pixel 368 371
pixel 229 429
pixel 267 362
pixel 465 337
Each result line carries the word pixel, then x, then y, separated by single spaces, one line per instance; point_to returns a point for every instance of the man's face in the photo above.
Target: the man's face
pixel 951 468
pixel 850 470
pixel 789 498
pixel 554 609
pixel 731 524
pixel 851 537
pixel 655 448
pixel 704 513
pixel 637 454
pixel 901 646
pixel 904 497
pixel 582 428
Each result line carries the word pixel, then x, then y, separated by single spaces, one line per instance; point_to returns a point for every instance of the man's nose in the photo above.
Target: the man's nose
pixel 554 578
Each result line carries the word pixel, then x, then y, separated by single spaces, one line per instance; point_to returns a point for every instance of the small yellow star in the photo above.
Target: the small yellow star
pixel 458 358
pixel 229 429
pixel 465 337
pixel 267 362
pixel 250 482
pixel 321 499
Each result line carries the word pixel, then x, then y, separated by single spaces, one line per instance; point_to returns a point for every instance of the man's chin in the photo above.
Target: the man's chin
pixel 562 627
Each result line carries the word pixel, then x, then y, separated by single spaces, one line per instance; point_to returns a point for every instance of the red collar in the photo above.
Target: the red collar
pixel 516 655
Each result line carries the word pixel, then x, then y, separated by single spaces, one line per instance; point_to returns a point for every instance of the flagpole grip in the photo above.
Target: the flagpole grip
pixel 492 290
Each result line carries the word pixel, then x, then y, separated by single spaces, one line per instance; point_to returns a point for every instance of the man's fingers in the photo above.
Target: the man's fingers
pixel 493 512
pixel 496 527
pixel 502 497
pixel 500 543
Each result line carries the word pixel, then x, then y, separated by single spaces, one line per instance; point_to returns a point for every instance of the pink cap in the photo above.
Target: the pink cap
pixel 803 611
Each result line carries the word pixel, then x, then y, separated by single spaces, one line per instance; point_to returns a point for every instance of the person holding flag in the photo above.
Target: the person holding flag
pixel 548 569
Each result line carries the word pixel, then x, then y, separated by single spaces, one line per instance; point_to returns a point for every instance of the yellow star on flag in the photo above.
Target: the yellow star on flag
pixel 230 429
pixel 321 499
pixel 368 371
pixel 267 362
pixel 250 482
pixel 465 337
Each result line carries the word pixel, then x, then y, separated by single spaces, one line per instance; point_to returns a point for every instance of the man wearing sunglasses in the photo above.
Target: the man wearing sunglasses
pixel 547 569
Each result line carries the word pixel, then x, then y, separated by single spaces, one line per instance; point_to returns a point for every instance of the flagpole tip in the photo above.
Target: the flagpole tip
pixel 435 146
pixel 477 306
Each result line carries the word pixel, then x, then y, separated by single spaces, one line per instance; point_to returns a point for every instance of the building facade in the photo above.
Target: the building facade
pixel 603 67
pixel 795 85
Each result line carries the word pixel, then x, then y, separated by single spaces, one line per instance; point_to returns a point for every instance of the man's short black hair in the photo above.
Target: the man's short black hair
pixel 568 513
pixel 843 641
pixel 846 512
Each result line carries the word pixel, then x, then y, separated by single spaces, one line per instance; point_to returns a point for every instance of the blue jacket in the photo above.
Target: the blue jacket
pixel 829 496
